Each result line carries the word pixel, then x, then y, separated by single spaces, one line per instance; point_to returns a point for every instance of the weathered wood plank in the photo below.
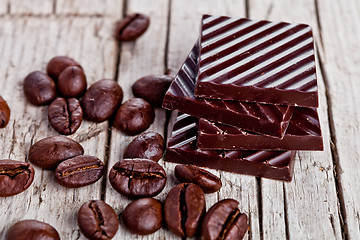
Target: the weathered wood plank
pixel 25 49
pixel 109 8
pixel 341 37
pixel 306 208
pixel 184 30
pixel 31 7
pixel 137 59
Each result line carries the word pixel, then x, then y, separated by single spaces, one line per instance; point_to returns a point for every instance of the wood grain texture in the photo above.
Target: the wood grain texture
pixel 108 8
pixel 23 52
pixel 31 7
pixel 341 37
pixel 307 207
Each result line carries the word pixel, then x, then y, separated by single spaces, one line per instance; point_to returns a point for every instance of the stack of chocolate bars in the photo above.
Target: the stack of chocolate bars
pixel 246 98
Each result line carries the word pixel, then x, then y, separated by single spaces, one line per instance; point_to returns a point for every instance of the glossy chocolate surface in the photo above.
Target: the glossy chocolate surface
pixel 261 118
pixel 303 133
pixel 182 149
pixel 257 61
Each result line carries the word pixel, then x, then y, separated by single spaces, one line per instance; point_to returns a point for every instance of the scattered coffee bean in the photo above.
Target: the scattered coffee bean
pixel 4 113
pixel 72 82
pixel 137 178
pixel 184 207
pixel 224 221
pixel 152 88
pixel 143 216
pixel 57 64
pixel 101 100
pixel 32 230
pixel 79 171
pixel 49 152
pixel 39 88
pixel 206 180
pixel 15 177
pixel 131 27
pixel 147 145
pixel 134 116
pixel 65 115
pixel 97 220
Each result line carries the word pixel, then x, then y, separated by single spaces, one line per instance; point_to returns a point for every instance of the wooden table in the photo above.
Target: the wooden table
pixel 321 202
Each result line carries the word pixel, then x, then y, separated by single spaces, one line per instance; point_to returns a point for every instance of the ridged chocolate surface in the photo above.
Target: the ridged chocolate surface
pixel 182 149
pixel 262 118
pixel 303 133
pixel 241 55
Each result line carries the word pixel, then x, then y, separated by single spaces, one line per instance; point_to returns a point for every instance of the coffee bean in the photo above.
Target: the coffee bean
pixel 39 88
pixel 97 220
pixel 152 88
pixel 206 180
pixel 65 115
pixel 131 27
pixel 101 100
pixel 147 145
pixel 137 178
pixel 72 82
pixel 79 171
pixel 4 113
pixel 184 207
pixel 15 177
pixel 143 216
pixel 57 64
pixel 134 116
pixel 49 152
pixel 32 230
pixel 224 221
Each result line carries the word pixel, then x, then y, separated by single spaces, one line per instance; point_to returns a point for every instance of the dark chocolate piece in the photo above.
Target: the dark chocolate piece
pixel 257 61
pixel 271 120
pixel 303 133
pixel 182 149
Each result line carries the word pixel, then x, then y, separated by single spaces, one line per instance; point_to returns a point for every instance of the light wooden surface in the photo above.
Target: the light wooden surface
pixel 322 201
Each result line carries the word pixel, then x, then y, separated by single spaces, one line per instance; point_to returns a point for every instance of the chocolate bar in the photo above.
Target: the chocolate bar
pixel 303 133
pixel 257 61
pixel 266 119
pixel 182 149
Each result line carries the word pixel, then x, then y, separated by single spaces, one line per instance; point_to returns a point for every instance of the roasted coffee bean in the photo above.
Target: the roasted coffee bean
pixel 224 221
pixel 147 145
pixel 152 88
pixel 134 116
pixel 49 152
pixel 131 27
pixel 39 88
pixel 32 230
pixel 184 207
pixel 206 180
pixel 143 216
pixel 101 100
pixel 65 115
pixel 4 113
pixel 137 178
pixel 15 177
pixel 79 171
pixel 72 82
pixel 97 220
pixel 57 64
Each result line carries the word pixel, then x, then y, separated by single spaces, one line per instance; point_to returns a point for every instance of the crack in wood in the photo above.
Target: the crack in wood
pixel 334 153
pixel 287 232
pixel 259 200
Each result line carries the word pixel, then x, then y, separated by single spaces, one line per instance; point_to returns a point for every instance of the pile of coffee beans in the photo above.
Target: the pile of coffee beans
pixel 138 176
